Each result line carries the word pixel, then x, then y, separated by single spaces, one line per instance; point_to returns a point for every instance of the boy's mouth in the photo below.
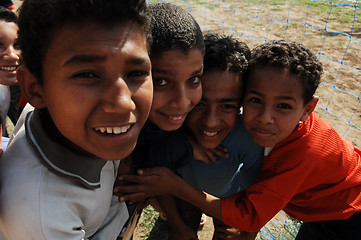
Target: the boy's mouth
pixel 175 118
pixel 210 133
pixel 113 130
pixel 8 68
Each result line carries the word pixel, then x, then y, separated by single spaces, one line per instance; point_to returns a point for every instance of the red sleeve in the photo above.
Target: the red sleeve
pixel 252 209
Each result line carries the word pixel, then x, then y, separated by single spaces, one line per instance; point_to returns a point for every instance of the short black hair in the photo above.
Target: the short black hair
pixel 291 57
pixel 173 27
pixel 225 53
pixel 7 15
pixel 40 19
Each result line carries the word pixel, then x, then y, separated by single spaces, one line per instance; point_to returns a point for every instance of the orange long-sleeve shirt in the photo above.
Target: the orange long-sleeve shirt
pixel 313 175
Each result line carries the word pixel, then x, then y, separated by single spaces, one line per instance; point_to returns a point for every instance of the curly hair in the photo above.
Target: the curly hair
pixel 173 27
pixel 225 53
pixel 291 57
pixel 39 21
pixel 7 15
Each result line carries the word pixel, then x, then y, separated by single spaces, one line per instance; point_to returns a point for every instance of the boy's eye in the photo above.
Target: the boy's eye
pixel 229 106
pixel 86 78
pixel 284 106
pixel 159 82
pixel 255 100
pixel 85 75
pixel 200 105
pixel 195 80
pixel 137 74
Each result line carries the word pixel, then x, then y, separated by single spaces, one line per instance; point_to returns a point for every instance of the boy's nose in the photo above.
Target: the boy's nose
pixel 180 98
pixel 118 98
pixel 210 119
pixel 11 53
pixel 266 116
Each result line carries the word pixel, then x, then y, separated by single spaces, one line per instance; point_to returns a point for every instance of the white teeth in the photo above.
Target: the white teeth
pixel 175 118
pixel 109 130
pixel 10 69
pixel 209 134
pixel 113 130
pixel 117 130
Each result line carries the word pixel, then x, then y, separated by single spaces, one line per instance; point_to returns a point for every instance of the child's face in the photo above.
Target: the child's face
pixel 273 105
pixel 177 87
pixel 216 114
pixel 10 53
pixel 97 86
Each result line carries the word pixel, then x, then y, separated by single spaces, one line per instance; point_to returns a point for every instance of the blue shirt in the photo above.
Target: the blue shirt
pixel 231 175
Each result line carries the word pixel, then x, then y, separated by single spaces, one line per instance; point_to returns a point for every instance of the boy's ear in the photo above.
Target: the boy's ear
pixel 30 87
pixel 310 106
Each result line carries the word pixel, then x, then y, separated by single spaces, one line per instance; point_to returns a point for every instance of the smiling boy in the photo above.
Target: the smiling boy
pixel 177 64
pixel 10 59
pixel 87 73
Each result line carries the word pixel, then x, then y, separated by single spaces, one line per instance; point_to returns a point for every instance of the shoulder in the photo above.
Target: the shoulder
pixel 21 175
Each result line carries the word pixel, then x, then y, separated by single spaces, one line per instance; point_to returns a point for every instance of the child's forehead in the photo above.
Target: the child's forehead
pixel 218 83
pixel 8 26
pixel 274 81
pixel 191 52
pixel 273 74
pixel 90 27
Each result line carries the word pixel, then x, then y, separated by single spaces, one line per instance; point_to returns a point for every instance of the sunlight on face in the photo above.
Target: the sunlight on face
pixel 273 105
pixel 97 86
pixel 177 87
pixel 216 115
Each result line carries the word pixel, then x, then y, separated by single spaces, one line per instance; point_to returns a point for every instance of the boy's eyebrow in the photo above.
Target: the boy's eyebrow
pixel 138 61
pixel 88 58
pixel 279 97
pixel 222 100
pixel 85 58
pixel 163 71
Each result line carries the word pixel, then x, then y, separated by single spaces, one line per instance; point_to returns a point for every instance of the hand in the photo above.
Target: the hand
pixel 226 232
pixel 207 155
pixel 149 182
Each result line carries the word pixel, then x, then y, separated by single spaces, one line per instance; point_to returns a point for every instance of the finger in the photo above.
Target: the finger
pixel 204 158
pixel 128 189
pixel 133 198
pixel 222 148
pixel 212 157
pixel 130 179
pixel 153 171
pixel 220 153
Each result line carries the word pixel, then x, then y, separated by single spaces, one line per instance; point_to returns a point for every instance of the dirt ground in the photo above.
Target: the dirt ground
pixel 340 89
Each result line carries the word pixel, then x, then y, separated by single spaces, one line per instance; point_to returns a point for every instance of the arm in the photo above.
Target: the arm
pixel 162 181
pixel 177 229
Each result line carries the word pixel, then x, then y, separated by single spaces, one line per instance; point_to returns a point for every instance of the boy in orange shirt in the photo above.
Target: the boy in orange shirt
pixel 308 170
